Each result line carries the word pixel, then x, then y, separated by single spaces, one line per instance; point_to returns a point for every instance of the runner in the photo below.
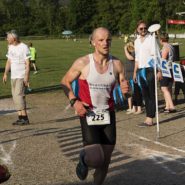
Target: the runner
pixel 97 74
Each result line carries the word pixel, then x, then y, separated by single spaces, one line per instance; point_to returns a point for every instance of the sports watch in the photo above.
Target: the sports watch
pixel 72 101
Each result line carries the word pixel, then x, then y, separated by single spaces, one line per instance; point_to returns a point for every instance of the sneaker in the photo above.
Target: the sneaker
pixel 24 122
pixel 35 72
pixel 21 122
pixel 82 168
pixel 4 173
pixel 29 89
pixel 16 122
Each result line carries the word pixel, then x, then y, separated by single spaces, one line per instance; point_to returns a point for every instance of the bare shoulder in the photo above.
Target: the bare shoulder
pixel 76 69
pixel 81 62
pixel 115 59
pixel 117 63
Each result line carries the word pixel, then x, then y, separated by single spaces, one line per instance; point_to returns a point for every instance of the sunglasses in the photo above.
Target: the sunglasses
pixel 143 28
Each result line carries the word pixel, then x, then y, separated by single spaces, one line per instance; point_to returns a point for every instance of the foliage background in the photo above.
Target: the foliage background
pixel 51 17
pixel 46 19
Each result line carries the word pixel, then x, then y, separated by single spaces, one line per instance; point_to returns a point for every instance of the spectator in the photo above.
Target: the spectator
pixel 179 85
pixel 144 50
pixel 18 61
pixel 166 83
pixel 134 100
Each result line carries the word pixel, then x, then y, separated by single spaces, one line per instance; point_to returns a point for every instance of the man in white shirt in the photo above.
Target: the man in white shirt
pixel 144 50
pixel 18 63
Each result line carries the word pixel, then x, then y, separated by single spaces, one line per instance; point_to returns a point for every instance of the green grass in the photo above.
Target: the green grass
pixel 54 59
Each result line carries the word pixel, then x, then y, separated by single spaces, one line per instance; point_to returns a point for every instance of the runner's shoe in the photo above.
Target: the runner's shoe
pixel 82 168
pixel 4 173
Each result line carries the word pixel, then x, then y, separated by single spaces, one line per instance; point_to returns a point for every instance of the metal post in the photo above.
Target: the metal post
pixel 152 29
pixel 156 93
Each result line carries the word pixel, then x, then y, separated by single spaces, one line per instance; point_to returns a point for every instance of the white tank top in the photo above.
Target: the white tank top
pixel 100 85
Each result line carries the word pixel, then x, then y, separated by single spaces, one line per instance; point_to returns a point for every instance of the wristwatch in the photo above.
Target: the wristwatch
pixel 72 101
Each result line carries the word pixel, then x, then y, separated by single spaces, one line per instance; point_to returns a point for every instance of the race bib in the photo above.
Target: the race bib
pixel 98 117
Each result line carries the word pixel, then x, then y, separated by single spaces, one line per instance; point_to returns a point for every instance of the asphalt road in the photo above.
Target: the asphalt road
pixel 46 151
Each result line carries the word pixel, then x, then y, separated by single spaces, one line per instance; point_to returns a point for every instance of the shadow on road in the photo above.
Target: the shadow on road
pixel 124 169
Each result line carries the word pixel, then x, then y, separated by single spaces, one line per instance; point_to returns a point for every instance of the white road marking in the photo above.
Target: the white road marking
pixel 159 158
pixel 157 143
pixel 6 155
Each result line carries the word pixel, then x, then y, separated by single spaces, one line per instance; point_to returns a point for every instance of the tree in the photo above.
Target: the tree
pixel 15 16
pixel 81 15
pixel 135 13
pixel 51 17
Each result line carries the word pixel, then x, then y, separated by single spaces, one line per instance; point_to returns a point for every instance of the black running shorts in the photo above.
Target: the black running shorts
pixel 105 134
pixel 167 82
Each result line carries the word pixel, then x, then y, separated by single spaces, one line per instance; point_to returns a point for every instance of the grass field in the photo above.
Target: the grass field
pixel 55 57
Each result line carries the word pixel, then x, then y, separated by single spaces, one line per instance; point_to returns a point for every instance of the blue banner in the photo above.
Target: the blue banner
pixel 132 84
pixel 151 62
pixel 141 74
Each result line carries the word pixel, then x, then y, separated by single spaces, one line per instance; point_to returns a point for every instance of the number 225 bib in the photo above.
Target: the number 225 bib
pixel 98 117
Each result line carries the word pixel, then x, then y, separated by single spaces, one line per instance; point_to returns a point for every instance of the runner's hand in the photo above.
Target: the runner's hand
pixel 80 109
pixel 124 86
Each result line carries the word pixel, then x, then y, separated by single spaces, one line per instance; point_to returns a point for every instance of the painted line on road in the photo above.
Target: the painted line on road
pixel 156 142
pixel 7 155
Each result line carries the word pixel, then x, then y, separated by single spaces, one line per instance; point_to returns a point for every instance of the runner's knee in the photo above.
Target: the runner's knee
pixel 94 156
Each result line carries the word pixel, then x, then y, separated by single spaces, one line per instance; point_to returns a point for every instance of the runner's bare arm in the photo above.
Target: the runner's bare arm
pixel 121 76
pixel 73 73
